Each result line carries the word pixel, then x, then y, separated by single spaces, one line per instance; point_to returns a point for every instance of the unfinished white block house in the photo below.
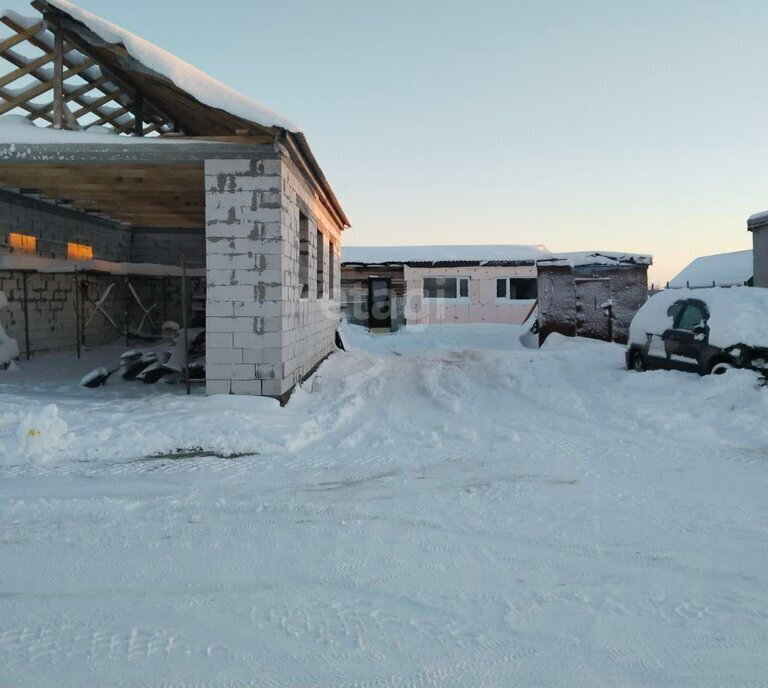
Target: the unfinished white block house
pixel 117 161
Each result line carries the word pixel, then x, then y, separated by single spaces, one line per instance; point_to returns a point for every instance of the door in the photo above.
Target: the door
pixel 593 297
pixel 379 303
pixel 685 341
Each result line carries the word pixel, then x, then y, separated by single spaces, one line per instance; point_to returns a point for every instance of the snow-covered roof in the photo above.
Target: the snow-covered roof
pixel 722 270
pixel 584 258
pixel 494 253
pixel 188 78
pixel 757 219
pixel 377 255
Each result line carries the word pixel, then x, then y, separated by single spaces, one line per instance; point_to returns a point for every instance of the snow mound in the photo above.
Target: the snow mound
pixel 42 434
pixel 738 315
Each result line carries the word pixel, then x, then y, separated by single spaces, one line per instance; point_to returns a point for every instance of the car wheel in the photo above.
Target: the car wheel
pixel 638 362
pixel 721 368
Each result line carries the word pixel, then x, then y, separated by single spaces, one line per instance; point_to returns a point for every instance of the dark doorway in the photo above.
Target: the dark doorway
pixel 379 303
pixel 593 297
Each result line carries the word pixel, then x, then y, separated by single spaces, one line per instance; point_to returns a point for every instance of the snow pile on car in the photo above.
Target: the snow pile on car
pixel 738 315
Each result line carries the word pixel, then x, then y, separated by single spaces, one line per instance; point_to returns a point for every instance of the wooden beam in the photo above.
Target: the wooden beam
pixel 21 36
pixel 58 77
pixel 112 116
pixel 100 83
pixel 12 102
pixel 86 49
pixel 71 95
pixel 26 69
pixel 138 114
pixel 41 76
pixel 95 105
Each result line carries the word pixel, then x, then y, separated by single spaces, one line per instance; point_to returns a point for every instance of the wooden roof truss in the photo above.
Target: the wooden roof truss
pixel 52 80
pixel 59 74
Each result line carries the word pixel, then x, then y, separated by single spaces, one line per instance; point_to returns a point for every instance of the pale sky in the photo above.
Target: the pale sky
pixel 579 125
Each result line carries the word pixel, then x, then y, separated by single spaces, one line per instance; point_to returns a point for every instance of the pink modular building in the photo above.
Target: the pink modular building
pixel 388 287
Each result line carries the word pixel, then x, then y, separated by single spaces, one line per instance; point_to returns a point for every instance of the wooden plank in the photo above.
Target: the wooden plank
pixel 26 69
pixel 111 117
pixel 20 36
pixel 89 50
pixel 12 102
pixel 58 78
pixel 71 95
pixel 95 105
pixel 100 83
pixel 138 114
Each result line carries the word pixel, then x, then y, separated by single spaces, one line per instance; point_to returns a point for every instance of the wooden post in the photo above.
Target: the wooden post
pixel 127 314
pixel 24 276
pixel 77 314
pixel 184 319
pixel 138 114
pixel 58 78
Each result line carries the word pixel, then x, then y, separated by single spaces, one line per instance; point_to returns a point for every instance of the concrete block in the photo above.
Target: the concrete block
pixel 272 355
pixel 268 371
pixel 263 309
pixel 216 167
pixel 243 340
pixel 240 324
pixel 231 371
pixel 252 355
pixel 252 387
pixel 276 388
pixel 217 386
pixel 224 356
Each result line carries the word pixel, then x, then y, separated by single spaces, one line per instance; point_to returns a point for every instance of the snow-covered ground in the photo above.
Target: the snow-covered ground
pixel 437 508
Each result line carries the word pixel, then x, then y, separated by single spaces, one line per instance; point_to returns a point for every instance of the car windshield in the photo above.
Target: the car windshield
pixel 691 317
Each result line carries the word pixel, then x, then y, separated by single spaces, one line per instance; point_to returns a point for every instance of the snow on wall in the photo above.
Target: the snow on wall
pixel 723 269
pixel 190 79
pixel 738 315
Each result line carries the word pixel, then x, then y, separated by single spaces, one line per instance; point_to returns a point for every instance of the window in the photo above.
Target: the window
pixel 22 242
pixel 692 316
pixel 320 265
pixel 303 256
pixel 79 251
pixel 515 288
pixel 446 287
pixel 331 269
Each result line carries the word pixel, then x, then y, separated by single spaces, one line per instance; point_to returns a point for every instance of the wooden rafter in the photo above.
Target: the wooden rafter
pixel 48 48
pixel 116 101
pixel 26 69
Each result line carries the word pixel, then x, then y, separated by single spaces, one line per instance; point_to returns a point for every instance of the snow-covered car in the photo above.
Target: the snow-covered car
pixel 701 330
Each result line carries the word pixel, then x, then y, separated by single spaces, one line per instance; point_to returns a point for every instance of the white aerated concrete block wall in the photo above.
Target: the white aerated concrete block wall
pixel 308 324
pixel 261 338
